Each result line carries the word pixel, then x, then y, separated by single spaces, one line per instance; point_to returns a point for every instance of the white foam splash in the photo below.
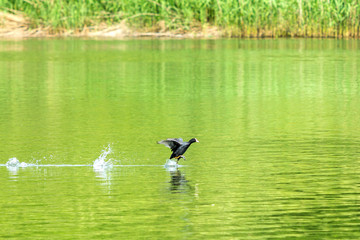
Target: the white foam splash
pixel 23 164
pixel 15 163
pixel 171 165
pixel 100 163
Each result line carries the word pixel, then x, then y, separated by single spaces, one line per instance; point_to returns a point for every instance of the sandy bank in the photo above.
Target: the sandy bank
pixel 17 27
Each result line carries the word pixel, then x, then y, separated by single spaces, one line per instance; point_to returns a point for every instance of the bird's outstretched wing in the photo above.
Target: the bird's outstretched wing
pixel 171 143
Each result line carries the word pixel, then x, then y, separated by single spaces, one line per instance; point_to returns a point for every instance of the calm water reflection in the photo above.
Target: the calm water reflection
pixel 278 124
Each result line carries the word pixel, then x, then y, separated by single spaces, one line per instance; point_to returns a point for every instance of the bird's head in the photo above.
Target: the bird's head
pixel 193 140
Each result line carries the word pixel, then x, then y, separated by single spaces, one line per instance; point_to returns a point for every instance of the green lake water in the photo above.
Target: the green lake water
pixel 278 123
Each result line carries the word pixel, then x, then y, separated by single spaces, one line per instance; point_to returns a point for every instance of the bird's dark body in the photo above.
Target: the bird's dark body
pixel 177 146
pixel 180 150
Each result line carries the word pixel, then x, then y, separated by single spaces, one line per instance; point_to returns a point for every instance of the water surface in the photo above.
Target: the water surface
pixel 278 124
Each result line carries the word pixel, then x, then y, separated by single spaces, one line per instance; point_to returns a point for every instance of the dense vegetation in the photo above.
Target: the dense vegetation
pixel 326 18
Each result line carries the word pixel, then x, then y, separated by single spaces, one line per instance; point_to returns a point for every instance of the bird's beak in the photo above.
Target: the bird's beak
pixel 196 140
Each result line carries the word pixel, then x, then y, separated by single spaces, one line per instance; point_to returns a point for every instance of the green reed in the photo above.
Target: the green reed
pixel 276 18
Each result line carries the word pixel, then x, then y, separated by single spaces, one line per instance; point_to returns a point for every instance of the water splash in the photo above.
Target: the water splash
pixel 100 163
pixel 23 164
pixel 15 163
pixel 171 165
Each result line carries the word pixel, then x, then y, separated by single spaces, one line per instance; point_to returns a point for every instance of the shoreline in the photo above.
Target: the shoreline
pixel 111 32
pixel 18 27
pixel 114 32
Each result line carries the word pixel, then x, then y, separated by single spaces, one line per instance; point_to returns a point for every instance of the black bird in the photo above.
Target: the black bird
pixel 177 146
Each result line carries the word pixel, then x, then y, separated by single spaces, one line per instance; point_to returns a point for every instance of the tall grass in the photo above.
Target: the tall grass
pixel 314 18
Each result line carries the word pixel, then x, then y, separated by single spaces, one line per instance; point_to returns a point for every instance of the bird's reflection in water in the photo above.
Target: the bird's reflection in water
pixel 178 182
